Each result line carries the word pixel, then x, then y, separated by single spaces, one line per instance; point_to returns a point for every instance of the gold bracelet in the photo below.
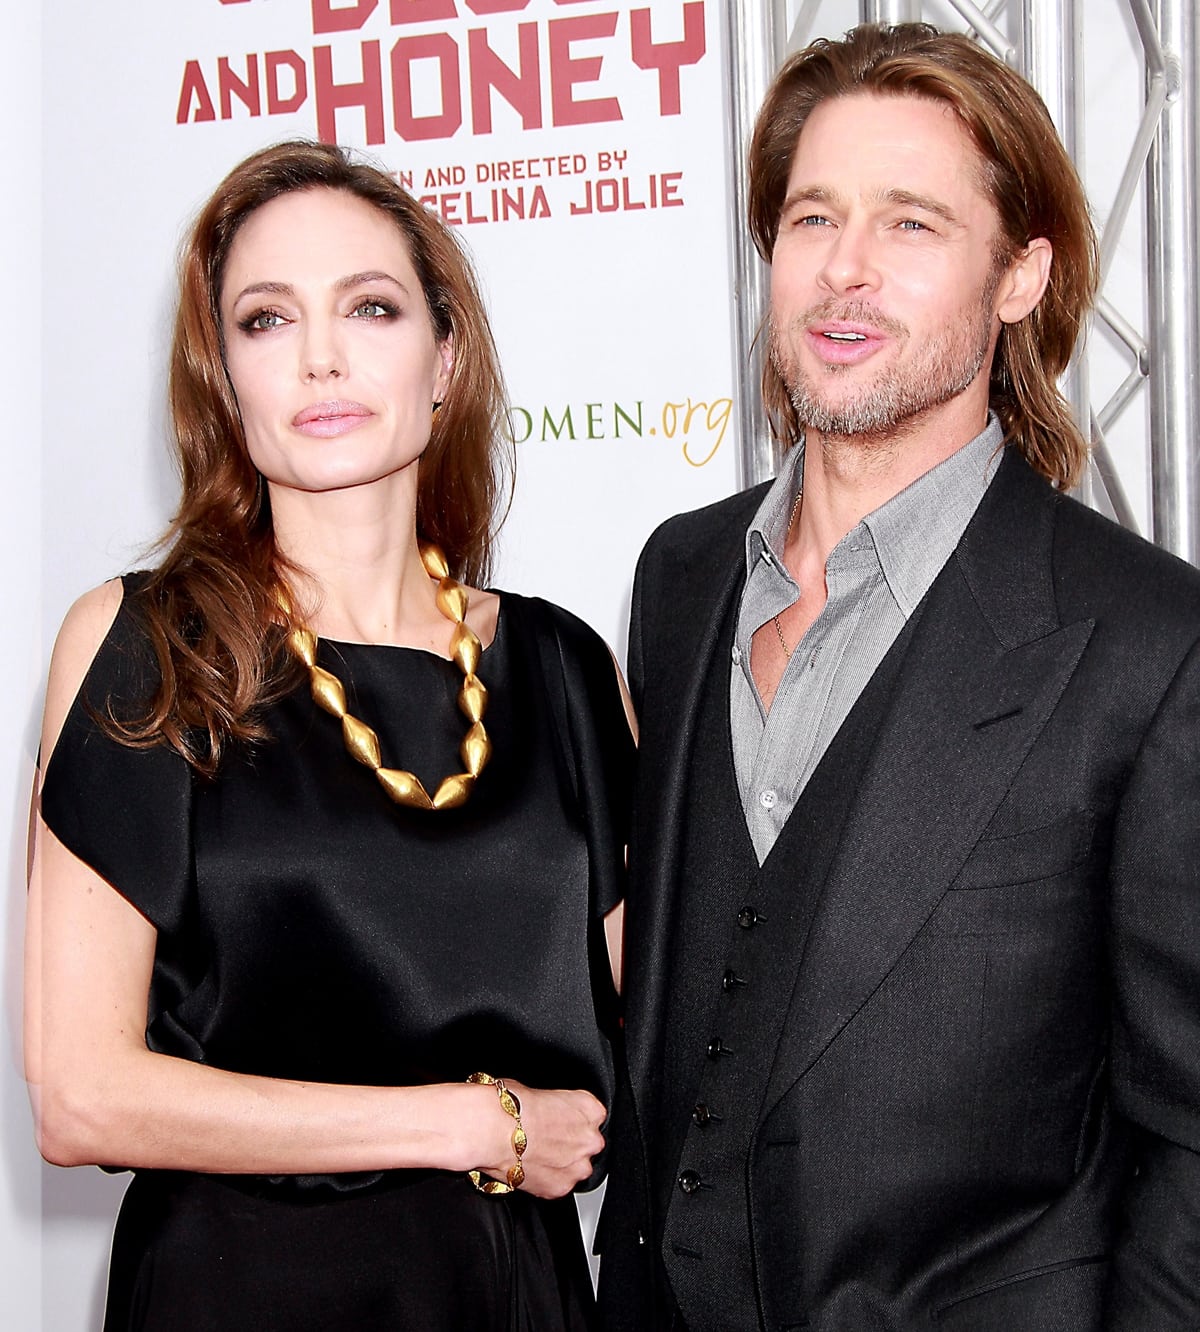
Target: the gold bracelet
pixel 511 1106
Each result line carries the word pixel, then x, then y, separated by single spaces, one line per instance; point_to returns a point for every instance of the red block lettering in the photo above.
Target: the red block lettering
pixel 277 103
pixel 668 57
pixel 521 91
pixel 439 46
pixel 328 18
pixel 566 72
pixel 332 97
pixel 496 6
pixel 194 89
pixel 421 11
pixel 229 86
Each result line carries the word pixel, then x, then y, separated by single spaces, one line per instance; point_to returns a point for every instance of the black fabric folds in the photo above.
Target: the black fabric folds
pixel 308 928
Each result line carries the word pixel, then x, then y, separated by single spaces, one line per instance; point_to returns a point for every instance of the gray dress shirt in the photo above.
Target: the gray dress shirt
pixel 875 577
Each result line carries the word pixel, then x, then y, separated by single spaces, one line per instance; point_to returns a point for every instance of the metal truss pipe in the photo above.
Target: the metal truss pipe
pixel 890 11
pixel 985 31
pixel 755 44
pixel 1174 242
pixel 1147 131
pixel 1050 56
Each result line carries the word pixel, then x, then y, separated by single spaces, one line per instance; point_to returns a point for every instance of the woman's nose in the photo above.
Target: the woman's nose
pixel 322 356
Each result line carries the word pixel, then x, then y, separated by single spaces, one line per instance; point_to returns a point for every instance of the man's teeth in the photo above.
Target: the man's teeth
pixel 847 337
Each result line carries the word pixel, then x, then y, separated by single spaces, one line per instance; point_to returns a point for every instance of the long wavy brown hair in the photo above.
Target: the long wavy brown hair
pixel 1029 178
pixel 212 609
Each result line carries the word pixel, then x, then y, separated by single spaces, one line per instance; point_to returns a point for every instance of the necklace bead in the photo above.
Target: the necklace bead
pixel 402 786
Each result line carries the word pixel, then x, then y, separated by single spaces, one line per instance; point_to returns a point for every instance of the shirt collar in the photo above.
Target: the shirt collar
pixel 769 528
pixel 913 533
pixel 916 530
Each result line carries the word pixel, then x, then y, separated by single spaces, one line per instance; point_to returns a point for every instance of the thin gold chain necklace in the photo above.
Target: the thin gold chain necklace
pixel 787 651
pixel 405 787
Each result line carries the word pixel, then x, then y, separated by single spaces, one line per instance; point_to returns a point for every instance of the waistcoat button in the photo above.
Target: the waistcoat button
pixel 747 917
pixel 717 1047
pixel 731 980
pixel 689 1181
pixel 701 1114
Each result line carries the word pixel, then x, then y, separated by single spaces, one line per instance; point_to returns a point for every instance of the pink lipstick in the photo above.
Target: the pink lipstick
pixel 323 420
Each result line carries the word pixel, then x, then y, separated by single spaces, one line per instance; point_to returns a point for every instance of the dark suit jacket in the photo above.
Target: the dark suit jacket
pixel 983 1109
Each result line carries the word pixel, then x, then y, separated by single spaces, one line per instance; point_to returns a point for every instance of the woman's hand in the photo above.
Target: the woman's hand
pixel 563 1129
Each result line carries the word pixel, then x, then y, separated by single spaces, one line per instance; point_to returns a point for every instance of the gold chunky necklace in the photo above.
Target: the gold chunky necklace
pixel 404 787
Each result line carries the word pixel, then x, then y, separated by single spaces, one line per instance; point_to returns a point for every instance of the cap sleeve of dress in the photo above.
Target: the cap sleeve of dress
pixel 581 684
pixel 124 811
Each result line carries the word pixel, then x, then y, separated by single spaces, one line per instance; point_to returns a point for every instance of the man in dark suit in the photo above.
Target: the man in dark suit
pixel 913 934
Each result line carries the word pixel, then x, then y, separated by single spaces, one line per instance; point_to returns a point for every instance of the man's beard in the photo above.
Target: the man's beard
pixel 899 395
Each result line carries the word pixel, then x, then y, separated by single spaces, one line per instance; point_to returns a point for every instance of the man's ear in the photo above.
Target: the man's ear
pixel 1024 281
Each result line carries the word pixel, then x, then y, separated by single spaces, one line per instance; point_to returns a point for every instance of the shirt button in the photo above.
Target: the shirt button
pixel 701 1114
pixel 767 798
pixel 747 918
pixel 736 654
pixel 689 1181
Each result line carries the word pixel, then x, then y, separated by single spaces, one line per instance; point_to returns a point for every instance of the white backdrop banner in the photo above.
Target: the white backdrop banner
pixel 578 146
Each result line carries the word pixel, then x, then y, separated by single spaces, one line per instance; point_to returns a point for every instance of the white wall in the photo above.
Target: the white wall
pixel 21 1236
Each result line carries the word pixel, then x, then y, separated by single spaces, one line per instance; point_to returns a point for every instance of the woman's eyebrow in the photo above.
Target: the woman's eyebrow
pixel 342 284
pixel 371 275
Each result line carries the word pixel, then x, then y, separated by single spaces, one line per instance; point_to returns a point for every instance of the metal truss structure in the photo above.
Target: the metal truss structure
pixel 1043 40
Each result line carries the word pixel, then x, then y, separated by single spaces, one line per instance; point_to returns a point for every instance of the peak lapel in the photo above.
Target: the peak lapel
pixel 986 665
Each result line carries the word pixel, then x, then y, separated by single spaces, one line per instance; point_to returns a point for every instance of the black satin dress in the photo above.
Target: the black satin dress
pixel 308 928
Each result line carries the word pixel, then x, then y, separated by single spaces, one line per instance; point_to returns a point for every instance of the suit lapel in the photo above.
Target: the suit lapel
pixel 986 665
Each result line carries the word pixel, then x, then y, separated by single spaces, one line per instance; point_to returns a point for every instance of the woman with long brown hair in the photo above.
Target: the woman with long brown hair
pixel 331 841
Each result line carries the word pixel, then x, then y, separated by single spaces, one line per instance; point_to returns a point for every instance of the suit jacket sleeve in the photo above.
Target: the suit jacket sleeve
pixel 1155 944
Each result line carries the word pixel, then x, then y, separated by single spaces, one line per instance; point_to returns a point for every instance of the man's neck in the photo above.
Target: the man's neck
pixel 848 477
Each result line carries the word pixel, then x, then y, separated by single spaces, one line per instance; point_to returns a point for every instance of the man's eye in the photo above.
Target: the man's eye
pixel 813 220
pixel 911 224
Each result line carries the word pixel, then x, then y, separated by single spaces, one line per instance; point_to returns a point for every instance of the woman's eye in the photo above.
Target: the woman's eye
pixel 262 321
pixel 373 310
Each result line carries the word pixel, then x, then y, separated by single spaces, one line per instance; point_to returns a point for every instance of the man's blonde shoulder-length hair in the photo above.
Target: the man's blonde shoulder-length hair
pixel 1029 178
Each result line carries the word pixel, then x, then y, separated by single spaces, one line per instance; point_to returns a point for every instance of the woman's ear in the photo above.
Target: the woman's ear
pixel 1024 281
pixel 441 385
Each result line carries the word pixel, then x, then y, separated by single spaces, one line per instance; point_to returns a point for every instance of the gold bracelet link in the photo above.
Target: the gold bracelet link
pixel 511 1107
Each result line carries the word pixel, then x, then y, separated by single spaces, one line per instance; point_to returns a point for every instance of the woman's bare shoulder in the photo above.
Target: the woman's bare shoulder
pixel 83 631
